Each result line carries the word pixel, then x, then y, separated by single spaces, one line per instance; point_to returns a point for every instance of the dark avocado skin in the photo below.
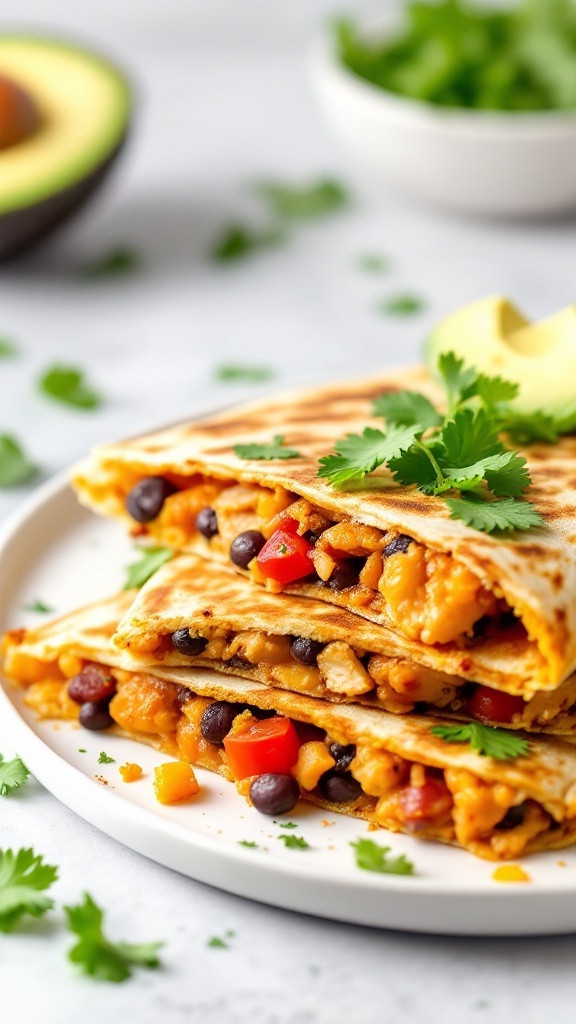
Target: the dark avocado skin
pixel 22 229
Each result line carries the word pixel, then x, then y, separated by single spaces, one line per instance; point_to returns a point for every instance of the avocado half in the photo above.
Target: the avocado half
pixel 83 106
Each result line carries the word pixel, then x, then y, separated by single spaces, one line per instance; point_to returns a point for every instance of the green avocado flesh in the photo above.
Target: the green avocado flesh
pixel 84 106
pixel 493 336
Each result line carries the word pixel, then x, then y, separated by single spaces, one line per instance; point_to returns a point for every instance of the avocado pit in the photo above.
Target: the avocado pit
pixel 19 114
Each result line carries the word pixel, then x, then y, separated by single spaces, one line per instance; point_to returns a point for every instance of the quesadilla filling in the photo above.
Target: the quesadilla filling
pixel 342 672
pixel 281 539
pixel 275 759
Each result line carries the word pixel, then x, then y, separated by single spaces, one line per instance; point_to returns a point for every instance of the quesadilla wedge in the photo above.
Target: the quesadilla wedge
pixel 194 612
pixel 391 555
pixel 396 772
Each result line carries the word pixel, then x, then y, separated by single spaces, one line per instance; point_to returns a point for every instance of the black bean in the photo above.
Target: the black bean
pixel 514 816
pixel 339 787
pixel 398 546
pixel 93 683
pixel 183 696
pixel 184 643
pixel 217 719
pixel 274 794
pixel 146 499
pixel 345 575
pixel 245 547
pixel 95 715
pixel 342 755
pixel 207 522
pixel 238 662
pixel 305 650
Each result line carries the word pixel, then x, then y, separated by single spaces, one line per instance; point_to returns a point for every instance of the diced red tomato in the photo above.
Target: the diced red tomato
pixel 285 557
pixel 426 805
pixel 491 706
pixel 268 745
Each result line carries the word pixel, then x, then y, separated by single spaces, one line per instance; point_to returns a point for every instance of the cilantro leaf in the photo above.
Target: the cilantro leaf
pixel 494 516
pixel 305 202
pixel 370 856
pixel 238 241
pixel 506 474
pixel 469 437
pixel 8 349
pixel 15 467
pixel 359 454
pixel 148 564
pixel 527 427
pixel 217 943
pixel 405 408
pixel 275 450
pixel 67 384
pixel 372 263
pixel 232 372
pixel 456 379
pixel 494 390
pixel 116 263
pixel 294 842
pixel 414 466
pixel 96 955
pixel 104 759
pixel 23 877
pixel 248 844
pixel 38 606
pixel 401 305
pixel 500 744
pixel 286 824
pixel 13 774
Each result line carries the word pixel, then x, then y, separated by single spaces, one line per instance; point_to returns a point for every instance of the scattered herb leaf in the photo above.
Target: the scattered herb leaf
pixel 104 759
pixel 248 844
pixel 67 384
pixel 38 606
pixel 13 774
pixel 371 263
pixel 294 842
pixel 401 305
pixel 23 879
pixel 82 750
pixel 238 241
pixel 118 262
pixel 275 450
pixel 217 943
pixel 15 467
pixel 8 349
pixel 286 824
pixel 150 561
pixel 370 856
pixel 96 955
pixel 305 202
pixel 500 744
pixel 233 372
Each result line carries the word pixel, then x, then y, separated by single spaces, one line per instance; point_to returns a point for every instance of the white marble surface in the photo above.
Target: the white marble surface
pixel 225 100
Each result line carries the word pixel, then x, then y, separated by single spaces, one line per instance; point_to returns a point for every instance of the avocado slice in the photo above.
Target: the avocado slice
pixel 84 105
pixel 496 338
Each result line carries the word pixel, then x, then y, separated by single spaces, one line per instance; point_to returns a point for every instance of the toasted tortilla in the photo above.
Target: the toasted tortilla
pixel 534 572
pixel 213 602
pixel 163 706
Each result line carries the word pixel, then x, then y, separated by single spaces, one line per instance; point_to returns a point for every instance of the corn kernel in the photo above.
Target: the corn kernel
pixel 130 772
pixel 314 759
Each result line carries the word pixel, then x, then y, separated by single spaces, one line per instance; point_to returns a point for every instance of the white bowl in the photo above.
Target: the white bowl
pixel 492 163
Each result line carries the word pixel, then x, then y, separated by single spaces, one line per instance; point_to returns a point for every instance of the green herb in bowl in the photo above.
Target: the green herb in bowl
pixel 455 53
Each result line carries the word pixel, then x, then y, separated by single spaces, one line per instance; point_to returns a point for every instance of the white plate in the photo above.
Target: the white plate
pixel 56 551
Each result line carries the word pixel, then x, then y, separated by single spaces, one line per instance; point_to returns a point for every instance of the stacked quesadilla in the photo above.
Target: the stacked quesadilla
pixel 356 647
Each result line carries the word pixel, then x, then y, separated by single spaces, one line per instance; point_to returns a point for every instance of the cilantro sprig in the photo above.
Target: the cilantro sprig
pixel 370 856
pixel 96 954
pixel 150 561
pixel 15 466
pixel 500 744
pixel 23 880
pixel 68 384
pixel 292 842
pixel 459 456
pixel 13 774
pixel 275 450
